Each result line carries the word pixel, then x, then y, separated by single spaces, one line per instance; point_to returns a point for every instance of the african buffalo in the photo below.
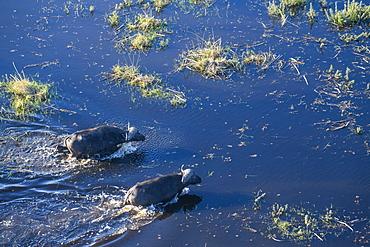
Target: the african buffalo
pixel 102 140
pixel 160 189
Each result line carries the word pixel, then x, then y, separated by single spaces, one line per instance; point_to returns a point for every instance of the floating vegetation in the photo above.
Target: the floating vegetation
pixel 353 14
pixel 256 202
pixel 302 226
pixel 26 95
pixel 92 9
pixel 210 59
pixel 263 60
pixel 78 9
pixel 198 8
pixel 337 125
pixel 337 83
pixel 358 130
pixel 363 52
pixel 348 37
pixel 149 86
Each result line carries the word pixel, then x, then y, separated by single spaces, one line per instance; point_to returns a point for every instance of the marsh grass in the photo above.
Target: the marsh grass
pixel 141 42
pixel 349 37
pixel 312 14
pixel 210 59
pixel 149 86
pixel 113 19
pixel 147 23
pixel 26 95
pixel 143 32
pixel 285 9
pixel 198 8
pixel 353 14
pixel 160 4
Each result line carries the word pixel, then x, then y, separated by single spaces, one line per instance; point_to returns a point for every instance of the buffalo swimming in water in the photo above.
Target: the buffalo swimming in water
pixel 101 140
pixel 160 189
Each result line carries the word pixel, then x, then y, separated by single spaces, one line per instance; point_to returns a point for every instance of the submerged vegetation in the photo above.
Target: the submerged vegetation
pixel 263 60
pixel 26 95
pixel 338 85
pixel 297 224
pixel 78 9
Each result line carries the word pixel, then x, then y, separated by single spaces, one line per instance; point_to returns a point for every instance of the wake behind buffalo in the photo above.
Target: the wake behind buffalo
pixel 105 140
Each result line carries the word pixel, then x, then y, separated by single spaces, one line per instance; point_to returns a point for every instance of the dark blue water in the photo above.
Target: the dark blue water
pixel 254 132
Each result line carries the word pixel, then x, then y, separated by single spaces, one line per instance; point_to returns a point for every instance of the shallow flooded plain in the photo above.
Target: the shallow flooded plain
pixel 279 134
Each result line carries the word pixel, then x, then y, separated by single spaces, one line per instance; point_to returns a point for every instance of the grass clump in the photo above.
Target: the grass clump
pixel 285 8
pixel 263 60
pixel 148 24
pixel 142 32
pixel 149 86
pixel 210 59
pixel 353 14
pixel 141 42
pixel 25 94
pixel 113 18
pixel 160 4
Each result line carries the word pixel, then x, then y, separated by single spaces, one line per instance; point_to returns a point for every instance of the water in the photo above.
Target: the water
pixel 259 131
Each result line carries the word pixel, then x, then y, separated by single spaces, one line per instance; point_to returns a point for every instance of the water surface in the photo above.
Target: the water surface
pixel 257 131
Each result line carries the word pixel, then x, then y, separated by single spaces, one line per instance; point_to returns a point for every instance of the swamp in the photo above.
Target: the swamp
pixel 267 101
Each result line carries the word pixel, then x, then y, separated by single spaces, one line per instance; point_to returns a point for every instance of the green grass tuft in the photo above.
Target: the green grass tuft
pixel 210 59
pixel 353 14
pixel 149 86
pixel 26 95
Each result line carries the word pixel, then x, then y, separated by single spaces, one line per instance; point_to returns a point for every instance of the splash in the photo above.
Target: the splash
pixel 126 148
pixel 34 149
pixel 71 218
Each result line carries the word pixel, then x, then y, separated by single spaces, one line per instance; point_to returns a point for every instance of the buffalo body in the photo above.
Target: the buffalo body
pixel 102 140
pixel 160 189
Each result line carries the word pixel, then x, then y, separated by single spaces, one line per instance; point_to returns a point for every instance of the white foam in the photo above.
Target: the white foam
pixel 126 148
